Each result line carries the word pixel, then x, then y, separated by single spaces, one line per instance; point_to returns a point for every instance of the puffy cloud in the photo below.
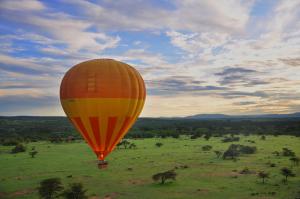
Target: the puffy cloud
pixel 215 57
pixel 22 5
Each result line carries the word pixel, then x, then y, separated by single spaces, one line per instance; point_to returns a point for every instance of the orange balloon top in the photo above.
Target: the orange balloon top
pixel 102 78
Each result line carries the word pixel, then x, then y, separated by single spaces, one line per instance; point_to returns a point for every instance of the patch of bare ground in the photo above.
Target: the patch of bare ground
pixel 220 174
pixel 111 195
pixel 137 181
pixel 94 197
pixel 21 192
pixel 202 191
pixel 3 194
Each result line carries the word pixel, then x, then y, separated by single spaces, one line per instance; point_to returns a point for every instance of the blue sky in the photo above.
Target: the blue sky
pixel 225 56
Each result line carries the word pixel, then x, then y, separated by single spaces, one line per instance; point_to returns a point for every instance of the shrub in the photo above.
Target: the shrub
pixel 75 191
pixel 231 153
pixel 206 148
pixel 158 144
pixel 231 139
pixel 207 136
pixel 50 188
pixel 218 153
pixel 287 152
pixel 175 136
pixel 162 177
pixel 247 171
pixel 18 148
pixel 247 149
pixel 194 137
pixel 132 146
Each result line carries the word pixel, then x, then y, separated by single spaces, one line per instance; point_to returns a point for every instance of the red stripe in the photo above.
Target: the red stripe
pixel 83 131
pixel 112 121
pixel 94 121
pixel 121 132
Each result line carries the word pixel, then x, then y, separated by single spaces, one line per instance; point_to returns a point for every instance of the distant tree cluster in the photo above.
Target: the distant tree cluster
pixel 53 188
pixel 59 129
pixel 234 150
pixel 231 139
pixel 126 144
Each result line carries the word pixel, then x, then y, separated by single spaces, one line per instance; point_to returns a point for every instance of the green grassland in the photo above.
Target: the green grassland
pixel 206 176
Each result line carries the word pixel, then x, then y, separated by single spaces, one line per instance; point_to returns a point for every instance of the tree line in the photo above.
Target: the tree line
pixel 59 128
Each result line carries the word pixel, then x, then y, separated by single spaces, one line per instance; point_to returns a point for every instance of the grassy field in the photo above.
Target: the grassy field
pixel 206 175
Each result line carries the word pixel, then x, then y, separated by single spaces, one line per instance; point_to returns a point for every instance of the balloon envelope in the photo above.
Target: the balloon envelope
pixel 103 99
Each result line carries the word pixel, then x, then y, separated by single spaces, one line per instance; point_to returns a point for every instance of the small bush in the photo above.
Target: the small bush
pixel 50 188
pixel 231 139
pixel 162 177
pixel 288 152
pixel 207 148
pixel 218 153
pixel 75 191
pixel 246 171
pixel 158 144
pixel 247 149
pixel 194 137
pixel 18 148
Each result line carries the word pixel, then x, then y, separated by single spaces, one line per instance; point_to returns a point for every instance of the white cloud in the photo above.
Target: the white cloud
pixel 188 15
pixel 212 35
pixel 22 5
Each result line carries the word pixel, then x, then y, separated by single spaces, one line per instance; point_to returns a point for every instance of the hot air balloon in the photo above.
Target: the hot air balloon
pixel 102 98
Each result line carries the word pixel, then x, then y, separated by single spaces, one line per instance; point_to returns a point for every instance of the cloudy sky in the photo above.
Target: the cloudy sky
pixel 196 56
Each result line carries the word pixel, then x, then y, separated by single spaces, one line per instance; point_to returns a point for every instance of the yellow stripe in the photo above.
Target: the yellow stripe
pixel 103 108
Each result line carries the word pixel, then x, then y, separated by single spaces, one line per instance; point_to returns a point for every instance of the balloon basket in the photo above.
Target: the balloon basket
pixel 102 164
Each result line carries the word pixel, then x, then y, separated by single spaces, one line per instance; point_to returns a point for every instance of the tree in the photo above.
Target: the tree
pixel 49 188
pixel 164 176
pixel 287 152
pixel 33 153
pixel 287 173
pixel 295 161
pixel 195 136
pixel 75 191
pixel 247 149
pixel 207 136
pixel 263 175
pixel 125 143
pixel 218 153
pixel 18 148
pixel 176 135
pixel 232 152
pixel 132 146
pixel 231 139
pixel 158 144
